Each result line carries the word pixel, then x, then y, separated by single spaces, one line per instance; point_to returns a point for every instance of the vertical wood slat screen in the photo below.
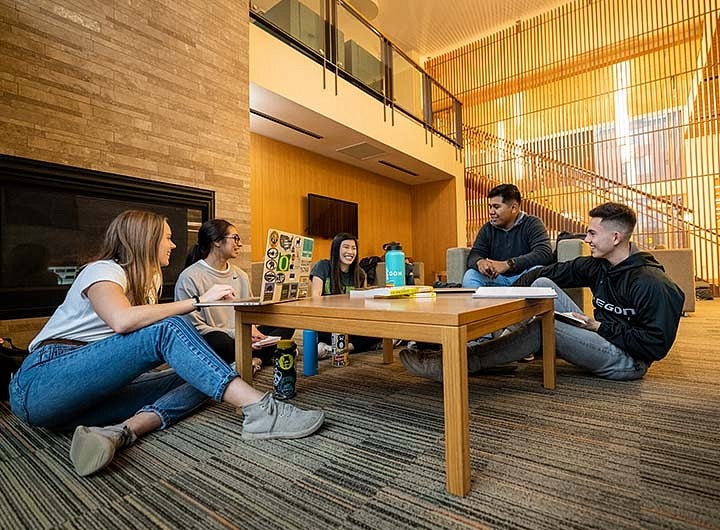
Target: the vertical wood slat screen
pixel 599 100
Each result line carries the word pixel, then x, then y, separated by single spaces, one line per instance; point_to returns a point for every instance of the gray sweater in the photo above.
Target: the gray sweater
pixel 197 279
pixel 527 241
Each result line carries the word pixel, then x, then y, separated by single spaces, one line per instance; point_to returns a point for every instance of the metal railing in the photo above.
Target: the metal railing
pixel 333 34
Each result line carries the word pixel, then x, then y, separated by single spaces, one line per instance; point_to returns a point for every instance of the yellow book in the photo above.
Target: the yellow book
pixel 389 291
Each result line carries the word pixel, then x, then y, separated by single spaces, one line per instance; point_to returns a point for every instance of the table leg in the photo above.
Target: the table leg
pixel 457 418
pixel 243 349
pixel 548 345
pixel 387 351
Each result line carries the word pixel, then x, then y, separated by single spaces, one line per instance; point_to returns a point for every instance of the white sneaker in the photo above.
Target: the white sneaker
pixel 324 351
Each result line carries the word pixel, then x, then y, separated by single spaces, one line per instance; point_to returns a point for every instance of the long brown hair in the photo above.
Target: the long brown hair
pixel 336 283
pixel 132 240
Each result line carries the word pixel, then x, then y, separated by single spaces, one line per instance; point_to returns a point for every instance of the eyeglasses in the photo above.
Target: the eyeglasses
pixel 235 238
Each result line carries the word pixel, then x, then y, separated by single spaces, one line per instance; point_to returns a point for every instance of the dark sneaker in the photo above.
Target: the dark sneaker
pixel 93 448
pixel 428 363
pixel 269 419
pixel 422 363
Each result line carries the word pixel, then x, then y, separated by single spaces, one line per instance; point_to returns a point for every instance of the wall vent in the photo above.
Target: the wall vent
pixel 286 124
pixel 361 151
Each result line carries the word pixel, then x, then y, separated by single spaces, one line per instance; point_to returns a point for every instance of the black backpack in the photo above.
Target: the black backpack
pixel 367 264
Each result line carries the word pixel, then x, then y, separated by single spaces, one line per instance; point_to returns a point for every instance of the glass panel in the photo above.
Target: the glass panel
pixel 51 226
pixel 47 244
pixel 407 85
pixel 299 18
pixel 359 50
pixel 443 111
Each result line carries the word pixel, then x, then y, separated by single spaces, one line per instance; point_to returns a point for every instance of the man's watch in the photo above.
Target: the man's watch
pixel 511 265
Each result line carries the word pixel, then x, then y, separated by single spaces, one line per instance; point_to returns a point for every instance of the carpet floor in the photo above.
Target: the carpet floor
pixel 591 454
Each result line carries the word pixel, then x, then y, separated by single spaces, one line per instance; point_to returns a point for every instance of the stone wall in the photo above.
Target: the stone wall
pixel 150 89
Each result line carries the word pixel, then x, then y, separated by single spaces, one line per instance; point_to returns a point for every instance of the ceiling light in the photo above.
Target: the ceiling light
pixel 367 8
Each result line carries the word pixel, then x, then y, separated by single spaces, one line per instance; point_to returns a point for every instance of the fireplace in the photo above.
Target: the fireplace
pixel 52 220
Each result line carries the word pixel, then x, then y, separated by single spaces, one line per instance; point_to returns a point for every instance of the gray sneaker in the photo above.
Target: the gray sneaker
pixel 93 448
pixel 422 363
pixel 269 419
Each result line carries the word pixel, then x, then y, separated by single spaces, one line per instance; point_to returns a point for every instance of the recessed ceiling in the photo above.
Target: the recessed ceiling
pixel 428 28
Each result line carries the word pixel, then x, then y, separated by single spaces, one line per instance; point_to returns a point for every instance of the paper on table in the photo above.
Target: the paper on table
pixel 514 292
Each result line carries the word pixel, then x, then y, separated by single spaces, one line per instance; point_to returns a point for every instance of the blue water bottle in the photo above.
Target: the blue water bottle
pixel 394 264
pixel 310 345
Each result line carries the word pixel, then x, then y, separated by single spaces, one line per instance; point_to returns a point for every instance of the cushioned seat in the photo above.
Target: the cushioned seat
pixel 678 264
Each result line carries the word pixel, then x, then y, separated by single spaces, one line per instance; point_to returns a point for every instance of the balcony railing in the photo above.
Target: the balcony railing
pixel 332 33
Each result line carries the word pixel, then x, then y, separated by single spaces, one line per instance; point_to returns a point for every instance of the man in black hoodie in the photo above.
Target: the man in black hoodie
pixel 636 316
pixel 637 307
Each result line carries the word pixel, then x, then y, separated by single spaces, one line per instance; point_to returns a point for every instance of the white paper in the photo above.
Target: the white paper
pixel 514 292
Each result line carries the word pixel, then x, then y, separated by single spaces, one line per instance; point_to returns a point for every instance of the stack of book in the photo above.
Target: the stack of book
pixel 405 291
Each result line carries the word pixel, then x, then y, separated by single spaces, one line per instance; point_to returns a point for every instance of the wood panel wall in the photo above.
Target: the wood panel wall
pixel 156 90
pixel 281 177
pixel 620 95
pixel 434 224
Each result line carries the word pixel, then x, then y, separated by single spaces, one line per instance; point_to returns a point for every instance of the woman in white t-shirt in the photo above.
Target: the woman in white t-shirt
pixel 208 263
pixel 92 362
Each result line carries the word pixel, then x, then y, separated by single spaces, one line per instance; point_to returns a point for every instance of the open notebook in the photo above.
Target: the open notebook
pixel 286 270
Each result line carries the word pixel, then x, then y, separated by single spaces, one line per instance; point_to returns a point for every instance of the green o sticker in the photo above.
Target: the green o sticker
pixel 283 263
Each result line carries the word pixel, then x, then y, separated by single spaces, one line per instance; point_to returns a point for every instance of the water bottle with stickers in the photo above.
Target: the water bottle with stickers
pixel 284 371
pixel 340 349
pixel 394 264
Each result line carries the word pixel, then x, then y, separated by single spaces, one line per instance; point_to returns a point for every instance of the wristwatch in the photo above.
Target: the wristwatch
pixel 511 265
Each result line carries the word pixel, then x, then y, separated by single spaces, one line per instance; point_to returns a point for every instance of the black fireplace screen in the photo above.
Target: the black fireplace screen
pixel 52 220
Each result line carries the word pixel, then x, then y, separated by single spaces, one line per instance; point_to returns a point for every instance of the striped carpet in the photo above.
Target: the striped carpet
pixel 592 454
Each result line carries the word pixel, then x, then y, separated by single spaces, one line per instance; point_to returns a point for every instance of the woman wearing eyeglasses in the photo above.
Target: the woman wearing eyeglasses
pixel 95 362
pixel 208 263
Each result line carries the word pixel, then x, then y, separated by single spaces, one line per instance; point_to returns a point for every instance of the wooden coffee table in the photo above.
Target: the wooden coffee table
pixel 449 319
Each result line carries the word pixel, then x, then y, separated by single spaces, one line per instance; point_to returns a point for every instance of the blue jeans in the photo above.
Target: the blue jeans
pixel 474 278
pixel 578 346
pixel 105 382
